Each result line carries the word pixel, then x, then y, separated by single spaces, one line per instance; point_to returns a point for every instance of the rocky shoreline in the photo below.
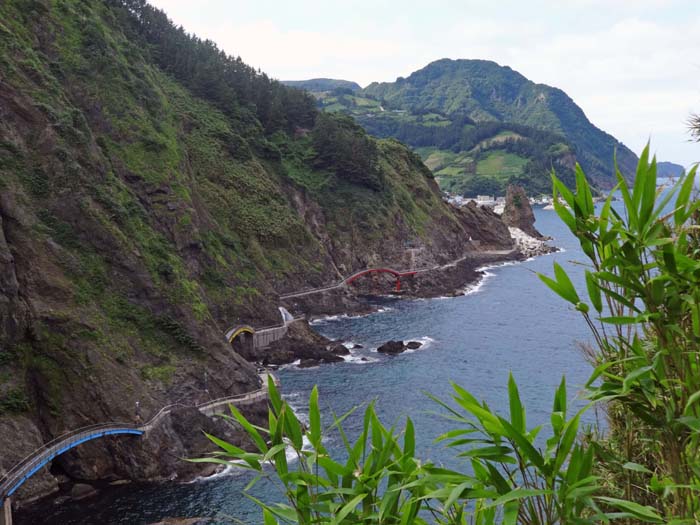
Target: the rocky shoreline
pixel 303 347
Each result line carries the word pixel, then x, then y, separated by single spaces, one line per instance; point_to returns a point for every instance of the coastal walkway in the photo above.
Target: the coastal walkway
pixel 34 462
pixel 263 337
pixel 42 456
pixel 345 281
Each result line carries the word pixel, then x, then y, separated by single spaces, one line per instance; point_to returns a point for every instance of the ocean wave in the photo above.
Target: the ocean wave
pixel 476 287
pixel 231 470
pixel 359 359
pixel 425 342
pixel 293 364
pixel 337 317
pixel 328 319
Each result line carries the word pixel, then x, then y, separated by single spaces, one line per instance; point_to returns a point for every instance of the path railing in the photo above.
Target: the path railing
pixel 31 464
pixel 343 282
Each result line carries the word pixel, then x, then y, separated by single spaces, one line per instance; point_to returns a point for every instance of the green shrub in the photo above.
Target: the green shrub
pixel 643 309
pixel 14 401
pixel 162 373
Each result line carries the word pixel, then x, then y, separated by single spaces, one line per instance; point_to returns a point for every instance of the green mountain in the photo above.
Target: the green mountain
pixel 480 126
pixel 322 84
pixel 153 192
pixel 467 156
pixel 486 91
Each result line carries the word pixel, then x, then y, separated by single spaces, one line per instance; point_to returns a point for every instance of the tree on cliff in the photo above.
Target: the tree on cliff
pixel 344 146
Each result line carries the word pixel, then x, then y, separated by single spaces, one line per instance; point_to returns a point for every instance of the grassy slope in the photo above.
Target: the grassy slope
pixel 143 220
pixel 487 91
pixel 454 172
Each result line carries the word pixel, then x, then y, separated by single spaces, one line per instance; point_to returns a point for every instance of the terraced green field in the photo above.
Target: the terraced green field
pixel 500 164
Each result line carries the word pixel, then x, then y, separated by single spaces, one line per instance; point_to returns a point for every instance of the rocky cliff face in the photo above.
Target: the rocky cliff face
pixel 138 221
pixel 518 212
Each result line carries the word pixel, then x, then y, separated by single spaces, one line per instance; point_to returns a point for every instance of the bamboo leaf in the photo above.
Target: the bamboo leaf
pixel 594 292
pixel 517 413
pixel 347 509
pixel 647 514
pixel 314 418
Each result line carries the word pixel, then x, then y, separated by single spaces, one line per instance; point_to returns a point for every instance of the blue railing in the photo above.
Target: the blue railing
pixel 30 465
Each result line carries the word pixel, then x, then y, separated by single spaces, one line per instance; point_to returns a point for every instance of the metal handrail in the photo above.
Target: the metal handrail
pixel 10 478
pixel 63 439
pixel 268 327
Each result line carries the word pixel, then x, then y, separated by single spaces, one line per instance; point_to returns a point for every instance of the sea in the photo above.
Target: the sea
pixel 508 322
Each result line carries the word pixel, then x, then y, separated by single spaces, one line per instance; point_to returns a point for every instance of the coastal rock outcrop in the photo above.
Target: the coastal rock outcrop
pixel 529 246
pixel 397 347
pixel 518 212
pixel 391 347
pixel 302 343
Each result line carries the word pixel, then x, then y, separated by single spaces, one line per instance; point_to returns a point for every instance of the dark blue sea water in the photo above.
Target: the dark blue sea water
pixel 509 322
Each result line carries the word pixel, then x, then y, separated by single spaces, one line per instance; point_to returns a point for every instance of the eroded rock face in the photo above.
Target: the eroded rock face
pixel 131 236
pixel 482 224
pixel 301 343
pixel 518 212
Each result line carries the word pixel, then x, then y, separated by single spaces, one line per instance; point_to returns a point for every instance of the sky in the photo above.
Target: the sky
pixel 632 65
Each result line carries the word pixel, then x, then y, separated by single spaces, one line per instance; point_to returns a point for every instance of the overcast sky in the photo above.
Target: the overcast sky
pixel 632 65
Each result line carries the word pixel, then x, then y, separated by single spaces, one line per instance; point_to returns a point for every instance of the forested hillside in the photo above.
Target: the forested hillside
pixel 154 191
pixel 486 91
pixel 322 84
pixel 467 156
pixel 480 126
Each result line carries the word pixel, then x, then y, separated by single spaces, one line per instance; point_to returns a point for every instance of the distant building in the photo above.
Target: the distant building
pixel 486 200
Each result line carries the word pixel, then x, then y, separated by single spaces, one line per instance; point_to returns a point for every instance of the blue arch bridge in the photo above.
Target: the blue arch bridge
pixel 14 478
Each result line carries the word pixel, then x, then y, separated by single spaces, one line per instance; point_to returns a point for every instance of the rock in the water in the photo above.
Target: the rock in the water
pixel 355 347
pixel 82 491
pixel 309 363
pixel 413 345
pixel 392 347
pixel 518 212
pixel 338 349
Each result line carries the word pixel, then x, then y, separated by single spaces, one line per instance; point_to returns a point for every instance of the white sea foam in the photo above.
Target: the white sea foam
pixel 359 359
pixel 293 364
pixel 425 342
pixel 232 470
pixel 330 318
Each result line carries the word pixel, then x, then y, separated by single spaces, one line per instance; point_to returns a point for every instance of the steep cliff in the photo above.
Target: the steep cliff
pixel 143 211
pixel 518 213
